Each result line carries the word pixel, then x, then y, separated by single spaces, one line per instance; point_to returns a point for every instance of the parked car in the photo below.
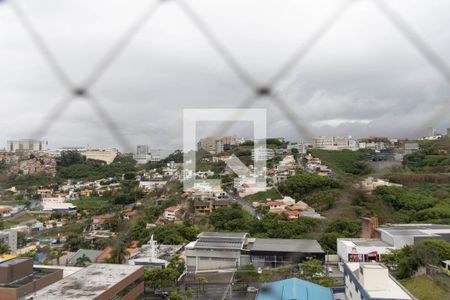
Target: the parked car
pixel 161 293
pixel 252 289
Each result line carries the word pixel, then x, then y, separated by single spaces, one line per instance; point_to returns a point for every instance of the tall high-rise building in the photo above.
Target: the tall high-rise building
pixel 143 155
pixel 142 149
pixel 26 145
pixel 9 238
pixel 217 144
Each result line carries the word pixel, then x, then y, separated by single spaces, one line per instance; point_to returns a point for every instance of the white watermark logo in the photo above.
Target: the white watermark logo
pixel 255 175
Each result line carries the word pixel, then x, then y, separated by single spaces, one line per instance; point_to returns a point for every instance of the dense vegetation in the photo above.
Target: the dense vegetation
pixel 339 229
pixel 347 161
pixel 262 196
pixel 404 262
pixel 422 203
pixel 72 165
pixel 269 226
pixel 322 200
pixel 433 157
pixel 304 183
pixel 27 182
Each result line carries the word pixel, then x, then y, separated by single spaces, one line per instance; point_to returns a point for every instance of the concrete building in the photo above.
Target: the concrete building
pixel 143 155
pixel 99 282
pixel 400 235
pixel 372 281
pixel 294 289
pixel 19 279
pixel 362 250
pixel 275 253
pixel 57 204
pixel 142 149
pixel 229 250
pixel 208 206
pixel 26 145
pixel 217 144
pixel 380 240
pixel 410 148
pixel 262 154
pixel 106 155
pixel 215 251
pixel 9 238
pixel 333 143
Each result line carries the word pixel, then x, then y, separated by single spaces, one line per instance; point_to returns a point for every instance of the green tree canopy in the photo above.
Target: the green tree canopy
pixel 159 278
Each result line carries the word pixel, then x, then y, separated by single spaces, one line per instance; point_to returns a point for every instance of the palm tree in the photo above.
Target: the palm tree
pixel 119 254
pixel 82 261
pixel 57 253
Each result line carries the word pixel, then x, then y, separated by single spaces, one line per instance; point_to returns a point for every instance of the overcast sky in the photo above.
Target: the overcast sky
pixel 362 78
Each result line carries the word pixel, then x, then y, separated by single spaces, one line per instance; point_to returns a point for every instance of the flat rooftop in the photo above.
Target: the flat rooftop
pixel 415 229
pixel 286 245
pixel 36 274
pixel 12 261
pixel 372 266
pixel 364 242
pixel 87 283
pixel 226 245
pixel 393 289
pixel 223 235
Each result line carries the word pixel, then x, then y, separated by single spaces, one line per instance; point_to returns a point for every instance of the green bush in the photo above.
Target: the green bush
pixel 303 183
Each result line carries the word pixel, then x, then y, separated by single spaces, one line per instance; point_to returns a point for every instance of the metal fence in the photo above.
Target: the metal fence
pixel 83 89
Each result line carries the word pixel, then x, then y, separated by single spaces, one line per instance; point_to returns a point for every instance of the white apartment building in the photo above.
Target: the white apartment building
pixel 366 281
pixel 262 154
pixel 143 155
pixel 372 145
pixel 334 143
pixel 24 145
pixel 9 238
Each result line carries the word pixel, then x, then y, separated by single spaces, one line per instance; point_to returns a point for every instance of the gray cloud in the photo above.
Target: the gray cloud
pixel 363 68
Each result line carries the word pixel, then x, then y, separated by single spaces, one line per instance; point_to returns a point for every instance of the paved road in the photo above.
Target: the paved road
pixel 219 287
pixel 212 292
pixel 245 205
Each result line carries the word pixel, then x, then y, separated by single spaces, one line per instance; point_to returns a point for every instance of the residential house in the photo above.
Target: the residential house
pixel 5 212
pixel 172 213
pixel 275 206
pixel 98 222
pixel 202 207
pixel 129 214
